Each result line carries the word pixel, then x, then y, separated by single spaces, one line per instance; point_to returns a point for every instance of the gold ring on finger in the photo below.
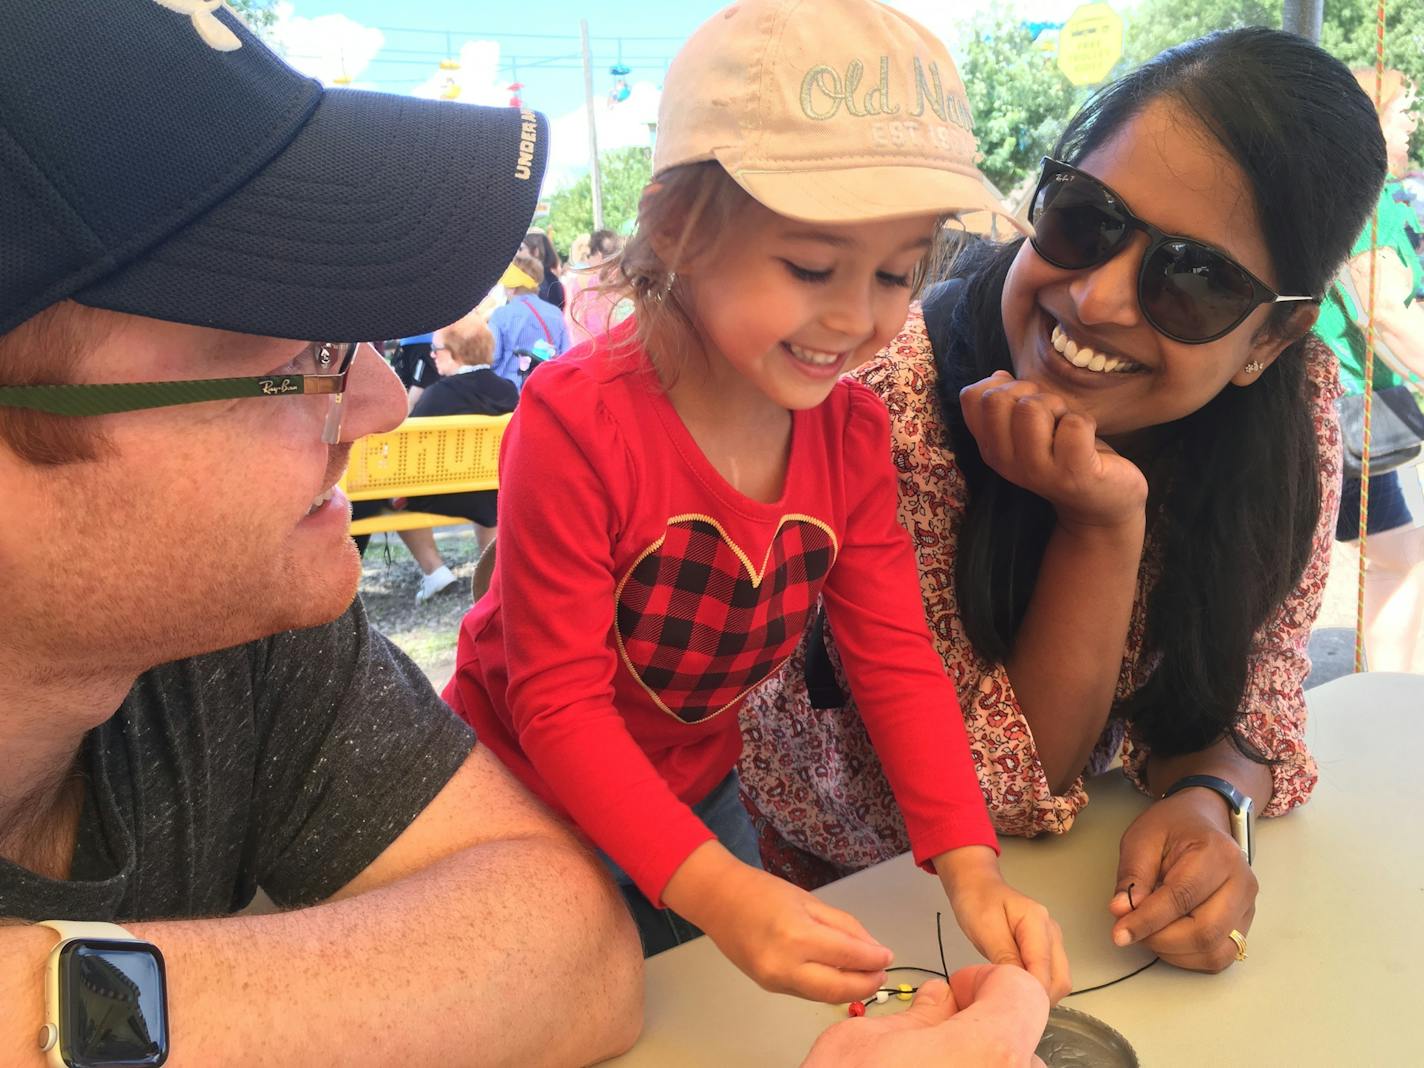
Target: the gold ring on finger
pixel 1240 940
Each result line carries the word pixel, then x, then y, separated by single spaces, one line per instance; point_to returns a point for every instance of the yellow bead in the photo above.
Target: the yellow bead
pixel 905 991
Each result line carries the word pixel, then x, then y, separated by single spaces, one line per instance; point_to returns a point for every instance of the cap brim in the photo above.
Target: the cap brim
pixel 385 216
pixel 868 194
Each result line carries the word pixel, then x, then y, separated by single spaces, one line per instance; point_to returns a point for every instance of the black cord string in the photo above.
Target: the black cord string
pixel 939 937
pixel 1114 982
pixel 912 968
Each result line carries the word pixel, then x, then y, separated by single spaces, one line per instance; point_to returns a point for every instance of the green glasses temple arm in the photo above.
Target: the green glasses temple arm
pixel 110 398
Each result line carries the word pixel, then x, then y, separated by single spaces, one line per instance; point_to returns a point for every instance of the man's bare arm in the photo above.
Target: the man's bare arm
pixel 484 934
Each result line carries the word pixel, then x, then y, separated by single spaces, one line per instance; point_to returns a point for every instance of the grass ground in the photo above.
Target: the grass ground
pixel 428 631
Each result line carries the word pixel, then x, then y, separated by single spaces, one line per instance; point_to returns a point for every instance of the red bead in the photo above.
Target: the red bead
pixel 857 1008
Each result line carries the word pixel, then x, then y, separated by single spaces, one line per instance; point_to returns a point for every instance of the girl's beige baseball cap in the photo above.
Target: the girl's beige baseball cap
pixel 824 111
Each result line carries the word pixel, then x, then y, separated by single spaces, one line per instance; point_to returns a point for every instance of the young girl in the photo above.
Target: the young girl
pixel 1120 461
pixel 676 496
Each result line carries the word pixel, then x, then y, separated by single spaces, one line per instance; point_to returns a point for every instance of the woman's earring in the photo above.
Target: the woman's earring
pixel 1255 367
pixel 666 288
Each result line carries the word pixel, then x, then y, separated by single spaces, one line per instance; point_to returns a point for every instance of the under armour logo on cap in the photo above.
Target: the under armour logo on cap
pixel 210 28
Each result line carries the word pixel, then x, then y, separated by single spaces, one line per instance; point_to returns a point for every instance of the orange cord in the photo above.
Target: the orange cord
pixel 1369 368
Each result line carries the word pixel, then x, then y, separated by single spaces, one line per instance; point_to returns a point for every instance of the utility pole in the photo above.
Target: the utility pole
pixel 592 127
pixel 1303 17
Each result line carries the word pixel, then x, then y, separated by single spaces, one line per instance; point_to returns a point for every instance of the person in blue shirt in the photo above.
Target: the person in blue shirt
pixel 525 324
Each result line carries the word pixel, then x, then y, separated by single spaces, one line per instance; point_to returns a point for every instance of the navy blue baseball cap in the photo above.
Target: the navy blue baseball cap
pixel 157 158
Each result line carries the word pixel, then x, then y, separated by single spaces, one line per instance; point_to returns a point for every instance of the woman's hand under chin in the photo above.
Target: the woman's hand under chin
pixel 1030 437
pixel 1191 883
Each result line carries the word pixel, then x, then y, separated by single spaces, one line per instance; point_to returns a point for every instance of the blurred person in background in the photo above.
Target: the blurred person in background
pixel 578 258
pixel 466 386
pixel 525 322
pixel 542 249
pixel 1394 578
pixel 413 365
pixel 590 309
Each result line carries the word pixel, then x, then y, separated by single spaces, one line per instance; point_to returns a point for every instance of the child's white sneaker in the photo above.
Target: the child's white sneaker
pixel 440 579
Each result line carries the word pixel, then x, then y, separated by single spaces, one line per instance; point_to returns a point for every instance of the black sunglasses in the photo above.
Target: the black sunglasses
pixel 1189 291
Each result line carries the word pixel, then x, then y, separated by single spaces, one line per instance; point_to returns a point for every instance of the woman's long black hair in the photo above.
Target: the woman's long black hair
pixel 1234 499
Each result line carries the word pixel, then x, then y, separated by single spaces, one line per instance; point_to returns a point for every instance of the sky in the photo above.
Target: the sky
pixel 488 45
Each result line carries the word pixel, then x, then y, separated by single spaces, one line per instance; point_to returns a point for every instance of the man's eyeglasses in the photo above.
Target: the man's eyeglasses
pixel 312 375
pixel 1189 291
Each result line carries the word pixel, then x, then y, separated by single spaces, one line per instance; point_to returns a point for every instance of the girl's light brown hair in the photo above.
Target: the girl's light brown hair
pixel 687 214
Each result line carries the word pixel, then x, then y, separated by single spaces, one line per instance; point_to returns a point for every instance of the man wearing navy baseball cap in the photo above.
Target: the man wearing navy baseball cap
pixel 194 239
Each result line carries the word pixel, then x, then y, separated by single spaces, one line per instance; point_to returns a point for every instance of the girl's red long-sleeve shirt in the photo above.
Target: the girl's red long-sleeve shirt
pixel 638 597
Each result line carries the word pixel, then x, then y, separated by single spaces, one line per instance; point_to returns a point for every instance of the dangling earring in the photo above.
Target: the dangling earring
pixel 1254 367
pixel 665 289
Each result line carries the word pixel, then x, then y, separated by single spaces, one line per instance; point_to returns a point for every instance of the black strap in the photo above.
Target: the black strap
pixel 1228 791
pixel 822 687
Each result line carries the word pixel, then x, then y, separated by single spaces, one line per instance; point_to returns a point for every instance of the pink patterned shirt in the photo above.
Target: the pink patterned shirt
pixel 810 776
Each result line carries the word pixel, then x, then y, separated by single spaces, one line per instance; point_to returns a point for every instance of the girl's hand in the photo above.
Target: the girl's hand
pixel 1005 926
pixel 1192 883
pixel 1031 438
pixel 785 938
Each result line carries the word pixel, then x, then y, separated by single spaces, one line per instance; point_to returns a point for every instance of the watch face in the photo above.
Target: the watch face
pixel 113 1004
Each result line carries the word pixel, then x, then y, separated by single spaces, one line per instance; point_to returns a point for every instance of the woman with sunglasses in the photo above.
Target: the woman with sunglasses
pixel 1120 465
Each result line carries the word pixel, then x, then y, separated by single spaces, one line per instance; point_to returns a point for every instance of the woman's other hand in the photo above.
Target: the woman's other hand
pixel 1191 883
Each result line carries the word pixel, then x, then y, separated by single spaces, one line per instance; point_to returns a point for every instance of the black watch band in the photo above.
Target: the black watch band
pixel 1234 797
pixel 1242 809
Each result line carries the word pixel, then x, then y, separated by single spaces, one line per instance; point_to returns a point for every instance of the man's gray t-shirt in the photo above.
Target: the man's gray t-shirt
pixel 288 763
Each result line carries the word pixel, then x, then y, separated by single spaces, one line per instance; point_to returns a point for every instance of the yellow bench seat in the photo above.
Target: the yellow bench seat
pixel 421 457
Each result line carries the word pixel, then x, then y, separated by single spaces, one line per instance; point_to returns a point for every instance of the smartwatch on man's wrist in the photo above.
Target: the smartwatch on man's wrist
pixel 1242 808
pixel 106 999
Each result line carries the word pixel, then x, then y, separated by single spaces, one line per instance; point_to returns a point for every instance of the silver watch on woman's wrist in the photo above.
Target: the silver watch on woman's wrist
pixel 1242 809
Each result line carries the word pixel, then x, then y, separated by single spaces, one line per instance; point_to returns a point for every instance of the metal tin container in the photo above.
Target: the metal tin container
pixel 1074 1039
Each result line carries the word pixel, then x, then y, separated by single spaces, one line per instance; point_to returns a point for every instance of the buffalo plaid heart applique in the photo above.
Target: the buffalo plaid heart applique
pixel 699 626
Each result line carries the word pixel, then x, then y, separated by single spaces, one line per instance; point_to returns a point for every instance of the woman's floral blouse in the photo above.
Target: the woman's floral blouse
pixel 810 776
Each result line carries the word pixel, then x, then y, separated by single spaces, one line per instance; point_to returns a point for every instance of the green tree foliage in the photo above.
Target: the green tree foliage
pixel 624 172
pixel 1155 25
pixel 258 14
pixel 1020 99
pixel 1349 32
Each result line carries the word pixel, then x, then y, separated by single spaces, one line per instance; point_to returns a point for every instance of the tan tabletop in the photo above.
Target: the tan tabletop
pixel 1336 968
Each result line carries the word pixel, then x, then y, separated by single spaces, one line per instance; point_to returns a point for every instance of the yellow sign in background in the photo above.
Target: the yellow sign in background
pixel 1089 44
